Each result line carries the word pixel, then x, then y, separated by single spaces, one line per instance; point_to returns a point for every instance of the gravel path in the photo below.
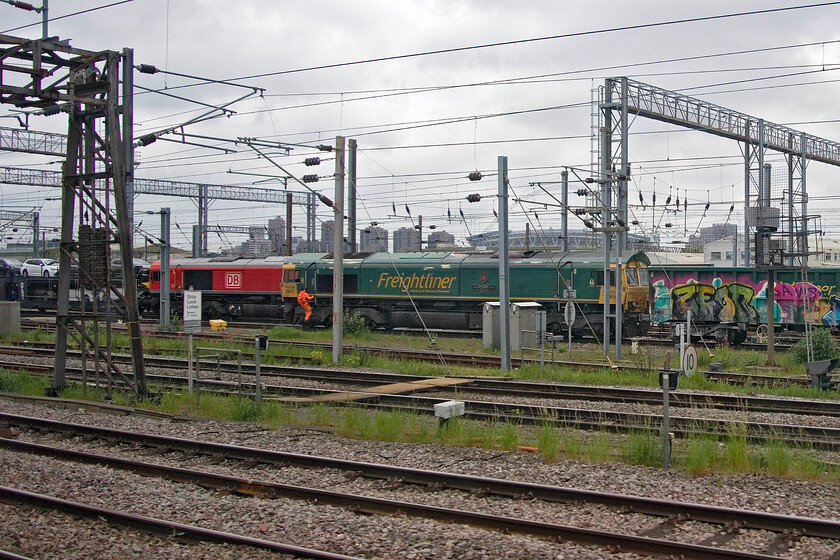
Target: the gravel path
pixel 37 534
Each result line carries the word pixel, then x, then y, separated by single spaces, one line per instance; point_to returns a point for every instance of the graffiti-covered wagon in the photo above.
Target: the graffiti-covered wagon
pixel 728 302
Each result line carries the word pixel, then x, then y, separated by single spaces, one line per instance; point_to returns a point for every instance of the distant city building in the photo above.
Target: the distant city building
pixel 258 244
pixel 825 253
pixel 298 245
pixel 327 236
pixel 406 239
pixel 277 235
pixel 373 240
pixel 549 238
pixel 538 238
pixel 440 239
pixel 712 233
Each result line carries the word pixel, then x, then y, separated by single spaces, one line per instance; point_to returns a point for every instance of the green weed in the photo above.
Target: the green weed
pixel 701 455
pixel 548 443
pixel 643 448
pixel 388 425
pixel 599 447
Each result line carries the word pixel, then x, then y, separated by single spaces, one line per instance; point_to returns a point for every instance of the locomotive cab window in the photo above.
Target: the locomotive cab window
pixel 632 275
pixel 599 277
pixel 324 283
pixel 199 279
pixel 644 277
pixel 291 275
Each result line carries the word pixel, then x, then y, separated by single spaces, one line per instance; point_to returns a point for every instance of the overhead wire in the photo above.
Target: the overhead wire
pixel 634 27
pixel 65 16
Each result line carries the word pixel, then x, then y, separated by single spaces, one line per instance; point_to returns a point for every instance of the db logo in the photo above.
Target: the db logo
pixel 483 277
pixel 233 280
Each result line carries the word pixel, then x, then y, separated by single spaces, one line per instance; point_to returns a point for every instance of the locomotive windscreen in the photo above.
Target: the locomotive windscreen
pixel 198 279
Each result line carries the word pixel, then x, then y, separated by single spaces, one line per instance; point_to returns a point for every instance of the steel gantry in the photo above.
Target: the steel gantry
pixel 30 219
pixel 32 142
pixel 92 88
pixel 622 97
pixel 200 192
pixel 775 223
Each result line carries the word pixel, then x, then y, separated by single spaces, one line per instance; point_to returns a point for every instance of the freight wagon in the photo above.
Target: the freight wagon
pixel 727 302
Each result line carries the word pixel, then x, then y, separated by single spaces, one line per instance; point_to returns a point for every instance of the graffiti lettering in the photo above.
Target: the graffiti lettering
pixel 799 293
pixel 736 303
pixel 699 299
pixel 729 300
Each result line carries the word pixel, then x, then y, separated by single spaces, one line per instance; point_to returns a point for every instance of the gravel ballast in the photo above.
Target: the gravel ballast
pixel 344 532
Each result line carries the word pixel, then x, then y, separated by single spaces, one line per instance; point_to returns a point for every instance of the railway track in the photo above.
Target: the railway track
pixel 506 387
pixel 661 537
pixel 435 356
pixel 825 438
pixel 483 360
pixel 153 525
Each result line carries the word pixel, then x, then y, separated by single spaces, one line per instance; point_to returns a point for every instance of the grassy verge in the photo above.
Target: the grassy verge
pixel 699 455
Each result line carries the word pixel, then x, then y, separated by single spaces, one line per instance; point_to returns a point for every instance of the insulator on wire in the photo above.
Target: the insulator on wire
pixel 147 139
pixel 731 208
pixel 51 110
pixel 310 161
pixel 495 214
pixel 707 206
pixel 475 197
pixel 582 192
pixel 324 147
pixel 669 224
pixel 147 69
pixel 407 211
pixel 579 211
pixel 635 222
pixel 588 224
pixel 24 6
pixel 310 178
pixel 474 176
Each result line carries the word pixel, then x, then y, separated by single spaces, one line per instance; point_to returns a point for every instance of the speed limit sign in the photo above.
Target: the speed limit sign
pixel 689 360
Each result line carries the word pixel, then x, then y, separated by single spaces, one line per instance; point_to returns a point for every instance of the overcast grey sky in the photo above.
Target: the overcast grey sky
pixel 528 100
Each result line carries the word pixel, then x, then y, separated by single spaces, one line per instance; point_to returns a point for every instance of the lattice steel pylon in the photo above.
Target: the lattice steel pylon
pixel 50 76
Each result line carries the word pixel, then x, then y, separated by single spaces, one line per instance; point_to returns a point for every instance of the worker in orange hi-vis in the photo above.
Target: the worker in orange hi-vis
pixel 303 299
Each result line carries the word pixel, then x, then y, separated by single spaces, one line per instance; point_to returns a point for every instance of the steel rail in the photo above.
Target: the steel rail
pixel 652 506
pixel 160 526
pixel 746 403
pixel 751 378
pixel 709 514
pixel 6 555
pixel 620 422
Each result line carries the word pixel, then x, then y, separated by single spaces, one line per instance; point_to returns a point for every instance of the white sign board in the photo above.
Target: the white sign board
pixel 192 312
pixel 689 360
pixel 569 313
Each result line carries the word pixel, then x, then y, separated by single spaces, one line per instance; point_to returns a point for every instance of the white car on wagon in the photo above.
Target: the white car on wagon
pixel 39 267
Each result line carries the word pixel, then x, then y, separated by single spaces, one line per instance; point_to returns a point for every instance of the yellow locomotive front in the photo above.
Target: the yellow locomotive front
pixel 636 295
